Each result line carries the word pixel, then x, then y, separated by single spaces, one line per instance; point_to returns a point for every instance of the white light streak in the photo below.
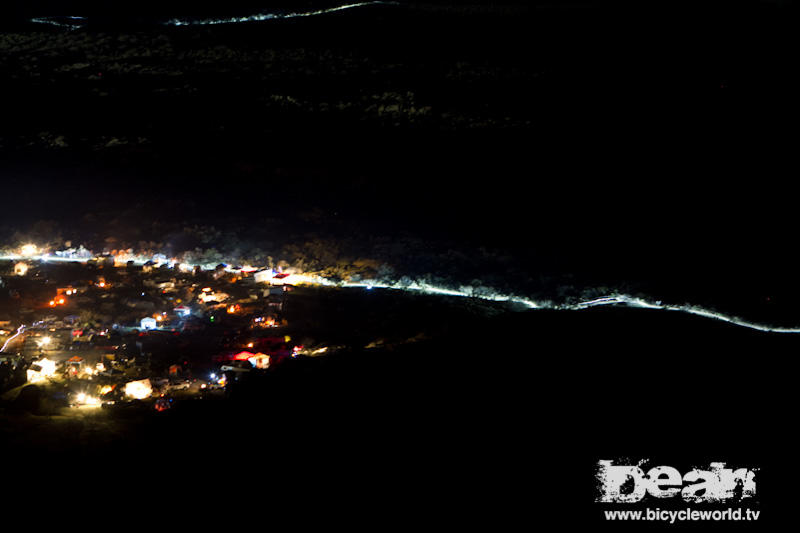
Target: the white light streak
pixel 426 288
pixel 77 22
pixel 71 23
pixel 260 17
pixel 14 336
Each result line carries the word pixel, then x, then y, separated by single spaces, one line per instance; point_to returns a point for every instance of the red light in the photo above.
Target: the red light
pixel 243 356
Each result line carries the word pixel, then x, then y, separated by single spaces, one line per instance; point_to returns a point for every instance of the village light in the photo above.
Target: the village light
pixel 139 389
pixel 47 368
pixel 29 250
pixel 84 399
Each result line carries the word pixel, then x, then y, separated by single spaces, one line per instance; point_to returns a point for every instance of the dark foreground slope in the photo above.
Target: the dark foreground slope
pixel 502 420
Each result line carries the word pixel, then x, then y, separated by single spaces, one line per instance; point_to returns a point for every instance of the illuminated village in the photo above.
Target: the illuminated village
pixel 119 330
pixel 92 332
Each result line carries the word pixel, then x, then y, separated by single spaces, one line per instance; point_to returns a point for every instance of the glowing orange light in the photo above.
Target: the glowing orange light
pixel 29 249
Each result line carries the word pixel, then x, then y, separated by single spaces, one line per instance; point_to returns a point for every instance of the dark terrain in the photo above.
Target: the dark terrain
pixel 617 144
pixel 460 418
pixel 540 151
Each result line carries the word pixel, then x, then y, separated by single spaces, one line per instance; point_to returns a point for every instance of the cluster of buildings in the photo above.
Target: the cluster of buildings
pixel 98 322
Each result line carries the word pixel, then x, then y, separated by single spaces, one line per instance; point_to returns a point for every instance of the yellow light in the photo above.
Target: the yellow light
pixel 29 249
pixel 85 399
pixel 139 389
pixel 48 368
pixel 44 341
pixel 249 344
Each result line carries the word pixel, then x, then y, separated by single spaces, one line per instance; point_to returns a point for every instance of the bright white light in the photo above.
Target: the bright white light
pixel 139 389
pixel 54 21
pixel 29 250
pixel 14 336
pixel 84 399
pixel 48 369
pixel 613 299
pixel 266 16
